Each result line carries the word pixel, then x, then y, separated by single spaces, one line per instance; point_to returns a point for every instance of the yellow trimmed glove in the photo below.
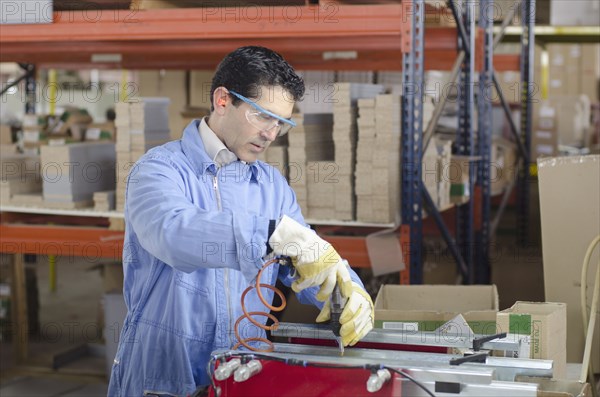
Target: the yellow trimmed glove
pixel 315 260
pixel 356 319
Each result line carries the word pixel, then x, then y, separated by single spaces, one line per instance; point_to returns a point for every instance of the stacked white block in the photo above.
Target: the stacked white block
pixel 19 175
pixel 104 201
pixel 277 156
pixel 322 183
pixel 378 159
pixel 345 137
pixel 141 125
pixel 311 140
pixel 364 160
pixel 444 160
pixel 318 97
pixel 73 172
pixel 352 76
pixel 123 149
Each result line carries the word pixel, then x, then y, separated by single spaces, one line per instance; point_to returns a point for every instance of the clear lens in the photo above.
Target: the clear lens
pixel 264 122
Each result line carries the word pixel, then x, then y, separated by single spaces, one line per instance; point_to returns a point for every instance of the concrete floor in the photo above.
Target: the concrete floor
pixel 69 318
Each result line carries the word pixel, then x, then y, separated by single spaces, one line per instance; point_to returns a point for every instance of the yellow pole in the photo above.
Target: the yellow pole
pixel 52 92
pixel 545 73
pixel 124 82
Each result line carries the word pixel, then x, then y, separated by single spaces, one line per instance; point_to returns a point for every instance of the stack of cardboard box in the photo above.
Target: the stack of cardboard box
pixel 20 178
pixel 104 201
pixel 277 156
pixel 149 124
pixel 378 159
pixel 123 149
pixel 33 134
pixel 363 176
pixel 320 88
pixel 345 134
pixel 311 140
pixel 322 182
pixel 574 69
pixel 563 119
pixel 141 125
pixel 73 172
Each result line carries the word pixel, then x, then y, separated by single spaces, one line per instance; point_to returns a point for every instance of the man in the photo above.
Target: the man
pixel 201 214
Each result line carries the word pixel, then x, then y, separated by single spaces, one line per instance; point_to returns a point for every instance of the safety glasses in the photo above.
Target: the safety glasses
pixel 264 120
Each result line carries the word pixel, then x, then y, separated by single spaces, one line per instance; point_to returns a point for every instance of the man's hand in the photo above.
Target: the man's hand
pixel 315 260
pixel 357 317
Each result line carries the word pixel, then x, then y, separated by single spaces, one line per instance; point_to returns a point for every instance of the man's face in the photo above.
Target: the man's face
pixel 245 139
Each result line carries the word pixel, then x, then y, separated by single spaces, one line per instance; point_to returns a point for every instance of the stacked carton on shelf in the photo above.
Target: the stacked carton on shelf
pixel 310 141
pixel 364 160
pixel 378 159
pixel 378 165
pixel 33 135
pixel 104 201
pixel 73 172
pixel 277 156
pixel 19 176
pixel 141 125
pixel 345 133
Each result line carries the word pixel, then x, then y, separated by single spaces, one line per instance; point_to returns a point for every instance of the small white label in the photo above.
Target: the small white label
pixel 545 149
pixel 92 134
pixel 547 111
pixel 398 325
pixel 57 142
pixel 575 51
pixel 546 124
pixel 31 136
pixel 558 60
pixel 543 134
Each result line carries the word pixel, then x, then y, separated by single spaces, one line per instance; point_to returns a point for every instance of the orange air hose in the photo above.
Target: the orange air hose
pixel 258 286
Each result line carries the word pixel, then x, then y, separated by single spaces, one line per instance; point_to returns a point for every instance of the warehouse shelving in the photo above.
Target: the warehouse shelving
pixel 171 38
pixel 383 37
pixel 198 38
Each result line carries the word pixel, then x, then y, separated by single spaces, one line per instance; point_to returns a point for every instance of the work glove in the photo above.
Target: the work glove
pixel 357 317
pixel 316 262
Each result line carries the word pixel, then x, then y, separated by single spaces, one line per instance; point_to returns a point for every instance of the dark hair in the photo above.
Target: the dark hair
pixel 247 69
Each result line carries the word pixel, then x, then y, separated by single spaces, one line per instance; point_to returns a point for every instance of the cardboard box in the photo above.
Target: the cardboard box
pixel 590 71
pixel 557 388
pixel 546 323
pixel 544 134
pixel 427 307
pixel 5 135
pixel 574 13
pixel 569 197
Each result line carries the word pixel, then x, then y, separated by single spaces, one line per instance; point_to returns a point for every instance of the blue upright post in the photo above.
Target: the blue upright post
pixel 465 140
pixel 484 130
pixel 412 139
pixel 527 89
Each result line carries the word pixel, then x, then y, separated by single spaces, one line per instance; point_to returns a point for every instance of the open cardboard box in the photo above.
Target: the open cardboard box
pixel 427 307
pixel 546 324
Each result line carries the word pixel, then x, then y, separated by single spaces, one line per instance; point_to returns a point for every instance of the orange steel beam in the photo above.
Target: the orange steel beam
pixel 61 240
pixel 374 53
pixel 507 62
pixel 198 38
pixel 215 23
pixel 102 243
pixel 351 248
